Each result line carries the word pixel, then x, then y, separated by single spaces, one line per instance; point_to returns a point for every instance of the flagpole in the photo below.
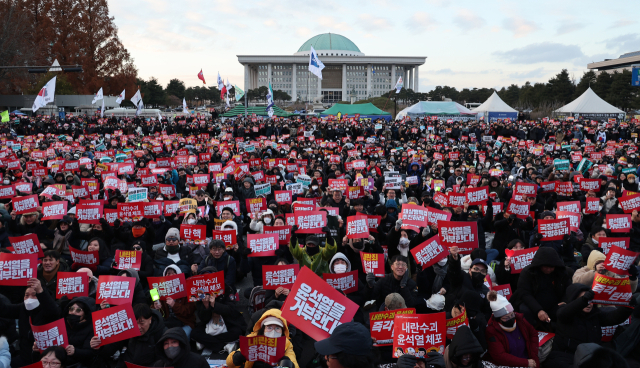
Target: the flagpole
pixel 245 104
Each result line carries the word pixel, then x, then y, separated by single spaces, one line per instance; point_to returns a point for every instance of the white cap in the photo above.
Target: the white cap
pixel 72 211
pixel 272 321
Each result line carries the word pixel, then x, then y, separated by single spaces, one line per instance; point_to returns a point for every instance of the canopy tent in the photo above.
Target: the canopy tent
pixel 494 108
pixel 449 109
pixel 366 110
pixel 258 110
pixel 17 112
pixel 590 106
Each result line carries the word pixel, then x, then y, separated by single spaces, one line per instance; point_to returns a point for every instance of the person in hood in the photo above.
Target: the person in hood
pixel 511 340
pixel 592 355
pixel 77 318
pixel 105 261
pixel 464 350
pixel 246 191
pixel 340 264
pixel 271 324
pixel 595 265
pixel 172 253
pixel 312 254
pixel 174 350
pixel 430 360
pixel 266 219
pixel 176 312
pixel 349 346
pixel 64 237
pixel 580 322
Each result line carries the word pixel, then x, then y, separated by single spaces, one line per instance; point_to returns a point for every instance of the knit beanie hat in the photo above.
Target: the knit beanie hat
pixel 500 306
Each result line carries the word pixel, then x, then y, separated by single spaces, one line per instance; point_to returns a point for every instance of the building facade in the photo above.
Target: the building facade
pixel 625 61
pixel 347 71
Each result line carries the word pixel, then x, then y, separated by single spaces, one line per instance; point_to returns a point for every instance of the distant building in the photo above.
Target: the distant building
pixel 346 69
pixel 625 61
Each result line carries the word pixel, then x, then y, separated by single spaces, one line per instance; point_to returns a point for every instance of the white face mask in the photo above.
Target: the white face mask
pixel 272 334
pixel 595 241
pixel 31 304
pixel 442 262
pixel 404 242
pixel 267 220
pixel 191 221
pixel 227 198
pixel 314 187
pixel 340 268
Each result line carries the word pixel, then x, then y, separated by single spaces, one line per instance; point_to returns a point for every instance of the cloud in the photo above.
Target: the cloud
pixel 371 23
pixel 540 53
pixel 271 23
pixel 519 27
pixel 303 31
pixel 441 3
pixel 568 27
pixel 467 20
pixel 625 43
pixel 535 73
pixel 330 23
pixel 421 21
pixel 623 23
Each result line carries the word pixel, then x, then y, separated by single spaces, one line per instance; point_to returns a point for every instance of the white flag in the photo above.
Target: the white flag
pixel 46 95
pixel 136 98
pixel 220 82
pixel 159 116
pixel 270 103
pixel 315 65
pixel 102 109
pixel 184 106
pixel 399 85
pixel 226 100
pixel 139 108
pixel 120 97
pixel 98 96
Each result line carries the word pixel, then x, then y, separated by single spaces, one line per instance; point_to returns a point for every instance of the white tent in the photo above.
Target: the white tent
pixel 494 108
pixel 590 105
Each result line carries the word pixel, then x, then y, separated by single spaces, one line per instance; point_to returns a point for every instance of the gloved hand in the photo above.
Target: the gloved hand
pixel 633 271
pixel 398 225
pixel 589 294
pixel 538 237
pixel 294 228
pixel 104 222
pixel 489 201
pixel 162 218
pixel 406 361
pixel 425 231
pixel 238 358
pixel 566 237
pixel 371 279
pixel 246 252
pixel 405 279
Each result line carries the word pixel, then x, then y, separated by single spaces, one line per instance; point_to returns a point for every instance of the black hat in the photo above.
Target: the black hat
pixel 200 192
pixel 351 337
pixel 312 239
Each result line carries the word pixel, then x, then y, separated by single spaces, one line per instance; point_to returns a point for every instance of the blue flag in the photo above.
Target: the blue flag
pixel 315 65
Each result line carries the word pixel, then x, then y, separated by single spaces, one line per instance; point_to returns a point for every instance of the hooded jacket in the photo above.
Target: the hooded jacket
pixel 185 359
pixel 181 310
pixel 463 342
pixel 140 295
pixel 319 262
pixel 586 274
pixel 288 349
pixel 80 334
pixel 498 343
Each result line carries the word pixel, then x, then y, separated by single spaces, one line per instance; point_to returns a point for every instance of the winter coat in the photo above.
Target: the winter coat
pixel 161 261
pixel 319 262
pixel 463 342
pixel 185 359
pixel 226 263
pixel 81 334
pixel 498 344
pixel 388 284
pixel 51 286
pixel 586 274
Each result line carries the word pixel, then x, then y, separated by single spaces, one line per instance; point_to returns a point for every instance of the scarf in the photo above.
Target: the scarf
pixel 61 242
pixel 48 276
pixel 441 272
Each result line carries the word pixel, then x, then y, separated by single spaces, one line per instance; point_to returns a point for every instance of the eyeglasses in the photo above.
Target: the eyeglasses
pixel 75 310
pixel 50 364
pixel 400 265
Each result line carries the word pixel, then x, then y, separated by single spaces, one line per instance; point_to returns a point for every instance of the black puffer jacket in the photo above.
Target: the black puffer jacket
pixel 80 335
pixel 185 359
pixel 387 285
pixel 463 342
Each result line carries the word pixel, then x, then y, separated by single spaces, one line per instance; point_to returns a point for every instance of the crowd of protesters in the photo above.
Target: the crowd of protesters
pixel 551 295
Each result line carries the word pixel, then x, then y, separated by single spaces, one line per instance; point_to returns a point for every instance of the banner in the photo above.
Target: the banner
pixel 227 236
pixel 629 203
pixel 463 234
pixel 172 286
pixel 358 227
pixel 553 229
pixel 454 323
pixel 51 334
pixel 274 277
pixel 476 196
pixel 520 209
pixel 373 263
pixel 611 290
pixel 26 204
pixel 310 222
pixel 54 210
pixel 429 252
pixel 504 290
pixel 618 223
pixel 26 244
pixel 262 348
pixel 263 245
pixel 72 284
pixel 17 269
pixel 419 332
pixel 208 284
pixel 126 259
pixel 115 324
pixel 381 325
pixel 435 215
pixel 89 214
pixel 347 282
pixel 619 260
pixel 414 217
pixel 85 258
pixel 316 308
pixel 520 258
pixel 607 242
pixel 574 219
pixel 115 290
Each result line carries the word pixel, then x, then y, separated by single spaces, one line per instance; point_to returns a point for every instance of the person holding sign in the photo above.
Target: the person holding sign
pixel 174 350
pixel 220 260
pixel 595 265
pixel 176 312
pixel 398 281
pixel 312 255
pixel 79 326
pixel 272 325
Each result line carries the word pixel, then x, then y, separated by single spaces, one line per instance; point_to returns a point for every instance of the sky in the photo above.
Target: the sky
pixel 468 44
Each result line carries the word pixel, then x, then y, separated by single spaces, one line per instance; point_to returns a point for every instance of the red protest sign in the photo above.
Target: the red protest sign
pixel 284 232
pixel 429 252
pixel 72 284
pixel 373 222
pixel 9 191
pixel 80 191
pixel 256 205
pixel 26 244
pixel 84 258
pixel 606 243
pixel 234 205
pixel 310 222
pixel 572 206
pixel 611 290
pixel 17 269
pixel 115 324
pixel 171 207
pixel 169 286
pixel 283 196
pixel 456 199
pixel 315 307
pixel 115 290
pixel 548 186
pixel 347 282
pixel 227 236
pixel 339 184
pixel 274 277
pixel 618 223
pixel 54 210
pixel 543 337
pixel 520 258
pixel 553 229
pixel 629 203
pixel 477 196
pixel 89 214
pixel 590 184
pixel 381 325
pixel 357 227
pixel 126 259
pixel 454 323
pixel 167 190
pixel 263 245
pixel 435 215
pixel 208 284
pixel 373 263
pixel 151 209
pixel 592 205
pixel 463 234
pixel 524 189
pixel 619 260
pixel 504 290
pixel 262 348
pixel 414 217
pixel 520 209
pixel 414 331
pixel 51 334
pixel 193 232
pixel 574 219
pixel 25 204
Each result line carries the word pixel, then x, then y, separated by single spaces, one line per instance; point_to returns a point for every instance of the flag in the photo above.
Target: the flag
pixel 136 98
pixel 46 95
pixel 239 93
pixel 399 85
pixel 373 71
pixel 5 116
pixel 223 91
pixel 98 96
pixel 120 97
pixel 220 82
pixel 226 100
pixel 315 65
pixel 159 116
pixel 184 106
pixel 270 101
pixel 201 77
pixel 102 109
pixel 139 107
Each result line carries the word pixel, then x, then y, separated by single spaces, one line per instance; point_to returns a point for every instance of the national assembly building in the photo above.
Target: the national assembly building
pixel 347 73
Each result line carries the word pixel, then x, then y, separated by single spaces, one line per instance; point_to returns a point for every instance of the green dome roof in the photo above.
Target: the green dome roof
pixel 329 41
